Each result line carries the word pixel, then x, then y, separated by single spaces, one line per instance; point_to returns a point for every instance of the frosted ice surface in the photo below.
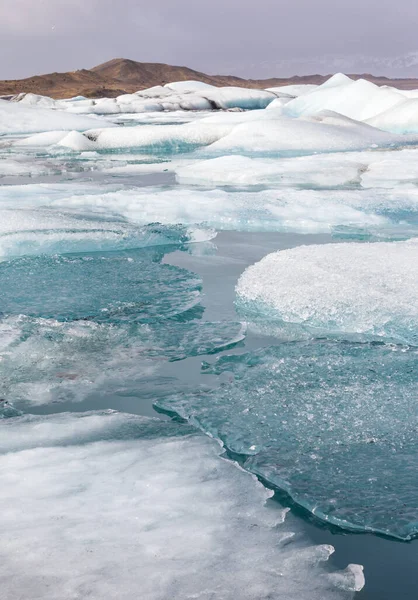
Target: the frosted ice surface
pixel 331 424
pixel 130 286
pixel 16 118
pixel 356 290
pixel 44 361
pixel 126 506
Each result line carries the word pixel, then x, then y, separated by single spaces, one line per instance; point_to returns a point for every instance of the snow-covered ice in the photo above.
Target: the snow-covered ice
pixel 94 196
pixel 111 506
pixel 16 118
pixel 356 290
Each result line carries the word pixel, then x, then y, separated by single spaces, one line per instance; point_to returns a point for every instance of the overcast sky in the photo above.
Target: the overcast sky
pixel 262 38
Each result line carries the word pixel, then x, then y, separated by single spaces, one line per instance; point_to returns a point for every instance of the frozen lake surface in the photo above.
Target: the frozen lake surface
pixel 191 260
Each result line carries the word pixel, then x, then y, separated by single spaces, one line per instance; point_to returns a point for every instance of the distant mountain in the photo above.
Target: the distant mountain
pixel 403 66
pixel 120 75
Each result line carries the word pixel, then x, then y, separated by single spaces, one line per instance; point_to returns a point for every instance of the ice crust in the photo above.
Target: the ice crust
pixel 367 291
pixel 112 505
pixel 331 424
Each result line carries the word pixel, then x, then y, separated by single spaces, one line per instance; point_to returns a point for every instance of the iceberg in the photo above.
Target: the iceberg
pixel 401 118
pixel 332 425
pixel 356 291
pixel 170 139
pixel 301 136
pixel 125 504
pixel 359 100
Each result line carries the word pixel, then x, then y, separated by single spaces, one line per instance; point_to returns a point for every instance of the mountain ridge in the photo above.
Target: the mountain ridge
pixel 120 76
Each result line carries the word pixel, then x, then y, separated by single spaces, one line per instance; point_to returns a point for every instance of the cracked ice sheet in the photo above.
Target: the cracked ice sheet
pixel 110 505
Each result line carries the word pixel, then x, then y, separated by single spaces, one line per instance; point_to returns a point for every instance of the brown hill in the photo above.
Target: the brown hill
pixel 121 75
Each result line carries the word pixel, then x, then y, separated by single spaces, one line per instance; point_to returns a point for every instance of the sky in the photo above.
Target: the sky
pixel 265 38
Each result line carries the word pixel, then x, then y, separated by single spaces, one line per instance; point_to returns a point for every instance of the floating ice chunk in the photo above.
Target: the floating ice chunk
pixel 358 100
pixel 319 170
pixel 331 424
pixel 16 118
pixel 182 95
pixel 355 290
pixel 78 142
pixel 144 505
pixel 173 138
pixel 400 118
pixel 37 100
pixel 48 138
pixel 301 136
pixel 235 97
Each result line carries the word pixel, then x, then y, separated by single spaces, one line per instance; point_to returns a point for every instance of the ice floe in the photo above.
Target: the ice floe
pixel 333 425
pixel 125 505
pixel 355 290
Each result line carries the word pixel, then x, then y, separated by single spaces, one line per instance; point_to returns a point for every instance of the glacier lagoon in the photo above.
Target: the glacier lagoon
pixel 121 248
